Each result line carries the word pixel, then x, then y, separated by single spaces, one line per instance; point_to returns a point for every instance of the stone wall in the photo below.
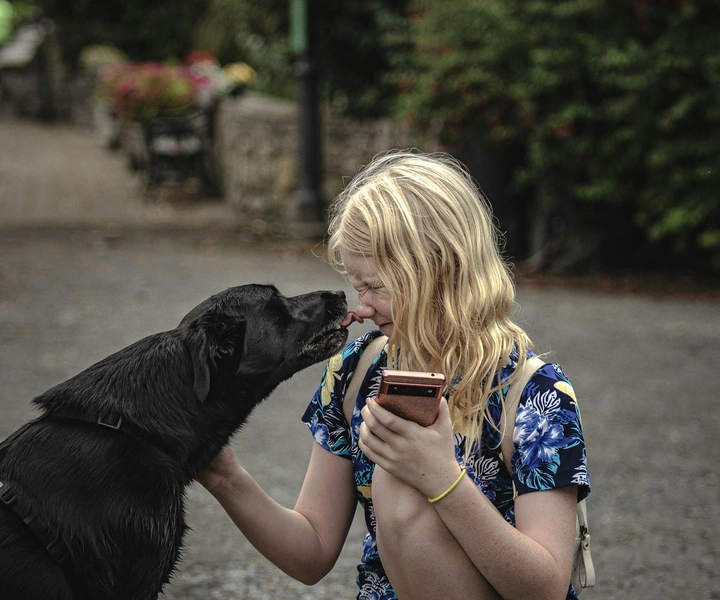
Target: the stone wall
pixel 255 159
pixel 257 153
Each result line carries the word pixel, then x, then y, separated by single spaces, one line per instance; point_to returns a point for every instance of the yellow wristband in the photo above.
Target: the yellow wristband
pixel 453 485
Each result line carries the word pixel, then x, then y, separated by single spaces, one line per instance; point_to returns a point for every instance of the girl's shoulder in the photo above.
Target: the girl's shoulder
pixel 550 371
pixel 353 351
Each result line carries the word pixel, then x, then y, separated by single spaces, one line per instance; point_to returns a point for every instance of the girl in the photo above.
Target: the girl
pixel 415 238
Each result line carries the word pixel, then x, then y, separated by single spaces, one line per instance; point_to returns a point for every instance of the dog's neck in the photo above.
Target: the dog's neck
pixel 190 436
pixel 190 430
pixel 224 413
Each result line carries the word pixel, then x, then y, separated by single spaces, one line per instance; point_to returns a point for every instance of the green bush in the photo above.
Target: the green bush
pixel 146 31
pixel 349 49
pixel 614 106
pixel 254 32
pixel 350 54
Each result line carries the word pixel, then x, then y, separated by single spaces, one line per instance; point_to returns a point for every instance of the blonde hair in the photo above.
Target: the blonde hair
pixel 429 231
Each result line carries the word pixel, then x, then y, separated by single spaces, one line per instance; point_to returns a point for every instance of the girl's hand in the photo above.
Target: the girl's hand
pixel 423 457
pixel 223 467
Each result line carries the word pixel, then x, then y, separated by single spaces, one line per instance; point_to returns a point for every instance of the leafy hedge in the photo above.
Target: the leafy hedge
pixel 349 52
pixel 613 106
pixel 160 30
pixel 595 123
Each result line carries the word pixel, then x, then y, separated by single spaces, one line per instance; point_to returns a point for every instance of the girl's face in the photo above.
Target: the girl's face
pixel 373 297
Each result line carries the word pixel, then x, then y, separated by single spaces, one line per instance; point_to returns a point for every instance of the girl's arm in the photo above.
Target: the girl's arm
pixel 304 542
pixel 530 561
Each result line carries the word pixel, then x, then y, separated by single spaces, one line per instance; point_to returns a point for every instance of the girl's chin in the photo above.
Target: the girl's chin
pixel 386 329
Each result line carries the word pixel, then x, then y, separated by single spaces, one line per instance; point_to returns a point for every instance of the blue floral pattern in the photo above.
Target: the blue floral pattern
pixel 549 449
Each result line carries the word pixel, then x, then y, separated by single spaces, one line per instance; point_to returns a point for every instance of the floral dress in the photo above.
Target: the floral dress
pixel 548 440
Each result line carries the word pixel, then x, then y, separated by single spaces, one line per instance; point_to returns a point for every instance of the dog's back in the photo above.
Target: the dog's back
pixel 114 501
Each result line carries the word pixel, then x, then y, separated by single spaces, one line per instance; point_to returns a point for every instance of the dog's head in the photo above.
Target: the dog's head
pixel 254 336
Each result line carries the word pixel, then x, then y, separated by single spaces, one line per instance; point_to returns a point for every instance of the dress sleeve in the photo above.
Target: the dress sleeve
pixel 324 415
pixel 549 447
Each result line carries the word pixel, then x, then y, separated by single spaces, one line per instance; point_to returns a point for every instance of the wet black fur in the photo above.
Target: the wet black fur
pixel 116 500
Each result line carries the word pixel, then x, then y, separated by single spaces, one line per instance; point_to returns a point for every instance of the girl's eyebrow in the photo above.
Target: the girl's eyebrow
pixel 356 283
pixel 363 281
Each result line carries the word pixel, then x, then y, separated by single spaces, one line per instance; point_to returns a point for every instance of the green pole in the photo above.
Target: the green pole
pixel 308 200
pixel 298 27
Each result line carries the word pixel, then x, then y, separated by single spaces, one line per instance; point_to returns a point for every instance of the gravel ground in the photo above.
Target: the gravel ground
pixel 646 368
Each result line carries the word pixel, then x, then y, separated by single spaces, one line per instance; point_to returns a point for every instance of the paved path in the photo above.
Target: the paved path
pixel 61 176
pixel 647 371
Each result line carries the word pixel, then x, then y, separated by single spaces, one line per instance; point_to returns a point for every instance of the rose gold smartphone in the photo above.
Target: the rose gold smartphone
pixel 412 395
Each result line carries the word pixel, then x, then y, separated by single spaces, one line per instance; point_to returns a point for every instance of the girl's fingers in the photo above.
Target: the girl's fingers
pixel 372 446
pixel 377 428
pixel 411 454
pixel 443 419
pixel 387 419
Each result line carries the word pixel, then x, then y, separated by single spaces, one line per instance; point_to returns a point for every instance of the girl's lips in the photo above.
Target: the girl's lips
pixel 349 318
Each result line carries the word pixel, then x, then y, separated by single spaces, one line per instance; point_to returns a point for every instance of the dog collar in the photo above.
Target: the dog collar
pixel 111 420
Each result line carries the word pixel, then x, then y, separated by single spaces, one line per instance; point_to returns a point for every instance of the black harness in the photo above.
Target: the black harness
pixel 53 544
pixel 111 420
pixel 55 547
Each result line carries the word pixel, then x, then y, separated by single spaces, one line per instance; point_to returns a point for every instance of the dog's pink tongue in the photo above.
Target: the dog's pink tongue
pixel 350 318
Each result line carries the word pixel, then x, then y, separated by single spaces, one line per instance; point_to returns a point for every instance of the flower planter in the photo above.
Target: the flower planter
pixel 176 107
pixel 176 147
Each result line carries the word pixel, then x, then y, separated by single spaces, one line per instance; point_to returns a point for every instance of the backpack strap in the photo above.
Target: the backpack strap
pixel 583 575
pixel 372 350
pixel 510 404
pixel 583 569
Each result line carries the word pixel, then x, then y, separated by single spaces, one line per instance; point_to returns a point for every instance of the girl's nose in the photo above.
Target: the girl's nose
pixel 364 310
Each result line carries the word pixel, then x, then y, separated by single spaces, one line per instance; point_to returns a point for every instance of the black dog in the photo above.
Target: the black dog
pixel 100 477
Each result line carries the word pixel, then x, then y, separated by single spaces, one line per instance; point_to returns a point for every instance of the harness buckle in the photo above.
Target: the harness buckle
pixel 104 423
pixel 58 550
pixel 7 496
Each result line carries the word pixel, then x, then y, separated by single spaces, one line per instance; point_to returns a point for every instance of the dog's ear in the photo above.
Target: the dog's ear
pixel 209 338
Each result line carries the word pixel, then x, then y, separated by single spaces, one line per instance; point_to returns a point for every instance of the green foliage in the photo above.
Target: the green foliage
pixel 23 10
pixel 159 31
pixel 251 31
pixel 351 55
pixel 616 105
pixel 350 52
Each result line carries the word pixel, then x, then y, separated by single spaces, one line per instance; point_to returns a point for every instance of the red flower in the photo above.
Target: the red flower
pixel 404 84
pixel 564 130
pixel 455 120
pixel 198 56
pixel 434 86
pixel 443 48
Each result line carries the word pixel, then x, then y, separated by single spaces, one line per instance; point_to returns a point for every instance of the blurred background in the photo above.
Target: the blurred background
pixel 592 126
pixel 152 154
